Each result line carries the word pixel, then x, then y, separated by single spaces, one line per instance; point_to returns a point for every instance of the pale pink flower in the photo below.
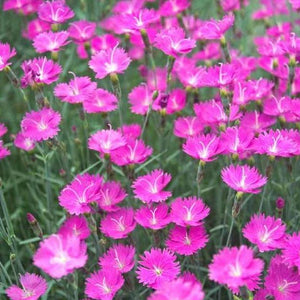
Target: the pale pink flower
pixel 33 287
pixel 187 241
pixel 59 255
pixel 23 142
pixel 117 225
pixel 82 31
pixel 149 188
pixel 104 284
pixel 110 61
pixel 185 127
pixel 156 267
pixel 50 41
pixel 295 4
pixel 119 257
pixel 3 150
pixel 41 125
pixel 77 196
pixel 173 7
pixel 243 179
pixel 140 99
pixel 154 217
pixel 3 129
pixel 55 12
pixel 5 54
pixel 236 267
pixel 75 225
pixel 290 252
pixel 34 28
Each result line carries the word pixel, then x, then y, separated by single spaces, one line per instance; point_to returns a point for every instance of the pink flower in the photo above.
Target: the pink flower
pixel 173 7
pixel 243 179
pixel 267 233
pixel 55 12
pixel 40 71
pixel 3 151
pixel 212 51
pixel 60 255
pixel 171 103
pixel 104 284
pixel 187 241
pixel 50 41
pixel 34 28
pixel 243 92
pixel 110 61
pixel 295 4
pixel 5 54
pixel 100 101
pixel 82 31
pixel 77 196
pixel 274 106
pixel 41 125
pixel 236 267
pixel 106 141
pixel 131 131
pixel 156 267
pixel 33 287
pixel 119 257
pixel 290 252
pixel 140 99
pixel 230 5
pixel 77 90
pixel 203 147
pixel 268 47
pixel 75 225
pixel 111 193
pixel 3 129
pixel 15 4
pixel 215 29
pixel 222 75
pixel 149 188
pixel 154 217
pixel 277 66
pixel 117 225
pixel 188 211
pixel 172 42
pixel 185 127
pixel 103 42
pixel 23 142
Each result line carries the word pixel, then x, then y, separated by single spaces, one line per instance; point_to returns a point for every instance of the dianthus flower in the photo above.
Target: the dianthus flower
pixel 212 51
pixel 15 4
pixel 59 255
pixel 149 188
pixel 243 179
pixel 3 129
pixel 236 267
pixel 5 54
pixel 111 193
pixel 110 61
pixel 3 151
pixel 103 42
pixel 156 267
pixel 117 225
pixel 77 90
pixel 23 142
pixel 192 76
pixel 55 12
pixel 295 4
pixel 41 125
pixel 172 42
pixel 154 217
pixel 277 66
pixel 34 28
pixel 276 107
pixel 50 41
pixel 140 99
pixel 268 47
pixel 173 7
pixel 131 131
pixel 104 284
pixel 187 241
pixel 230 5
pixel 40 71
pixel 82 31
pixel 106 141
pixel 119 257
pixel 33 287
pixel 267 233
pixel 77 196
pixel 185 127
pixel 222 75
pixel 290 252
pixel 243 92
pixel 75 225
pixel 203 147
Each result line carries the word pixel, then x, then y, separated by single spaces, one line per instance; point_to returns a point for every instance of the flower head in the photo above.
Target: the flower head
pixel 5 54
pixel 55 12
pixel 23 142
pixel 34 28
pixel 140 99
pixel 185 127
pixel 3 150
pixel 290 252
pixel 3 129
pixel 173 7
pixel 82 31
pixel 50 41
pixel 75 225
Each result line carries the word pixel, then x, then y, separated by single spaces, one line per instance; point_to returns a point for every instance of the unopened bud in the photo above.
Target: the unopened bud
pixel 280 202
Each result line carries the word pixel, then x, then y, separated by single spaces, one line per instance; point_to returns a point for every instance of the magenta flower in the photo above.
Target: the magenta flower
pixel 104 284
pixel 140 99
pixel 41 125
pixel 149 188
pixel 77 196
pixel 3 129
pixel 172 42
pixel 222 75
pixel 274 106
pixel 203 147
pixel 50 41
pixel 15 5
pixel 243 179
pixel 290 252
pixel 173 7
pixel 77 90
pixel 111 193
pixel 110 61
pixel 256 122
pixel 187 241
pixel 33 287
pixel 55 12
pixel 268 47
pixel 188 211
pixel 156 267
pixel 267 233
pixel 185 127
pixel 75 225
pixel 40 71
pixel 100 101
pixel 23 142
pixel 103 42
pixel 295 4
pixel 117 225
pixel 82 31
pixel 119 257
pixel 60 255
pixel 5 54
pixel 34 28
pixel 106 141
pixel 131 131
pixel 154 217
pixel 3 151
pixel 230 5
pixel 236 267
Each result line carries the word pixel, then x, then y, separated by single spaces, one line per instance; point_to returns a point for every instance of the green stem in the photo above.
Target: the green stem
pixel 114 79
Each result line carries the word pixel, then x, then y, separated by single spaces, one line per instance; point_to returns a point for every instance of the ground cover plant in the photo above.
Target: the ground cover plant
pixel 149 149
